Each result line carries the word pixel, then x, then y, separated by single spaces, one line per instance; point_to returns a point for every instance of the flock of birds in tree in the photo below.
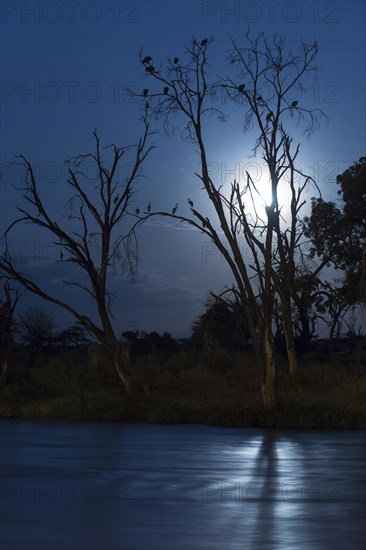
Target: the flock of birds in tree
pixel 205 221
pixel 174 210
pixel 241 89
pixel 149 68
pixel 145 91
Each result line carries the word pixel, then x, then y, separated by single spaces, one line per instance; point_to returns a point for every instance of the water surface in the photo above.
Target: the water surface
pixel 74 485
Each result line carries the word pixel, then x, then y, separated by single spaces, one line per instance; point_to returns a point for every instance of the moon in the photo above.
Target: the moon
pixel 261 196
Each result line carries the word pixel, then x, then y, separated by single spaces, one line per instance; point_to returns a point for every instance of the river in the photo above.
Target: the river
pixel 94 485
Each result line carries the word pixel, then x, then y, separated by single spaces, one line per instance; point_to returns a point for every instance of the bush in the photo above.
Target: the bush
pixel 189 386
pixel 54 379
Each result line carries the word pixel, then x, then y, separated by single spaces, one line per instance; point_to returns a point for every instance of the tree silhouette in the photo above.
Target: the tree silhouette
pixel 220 326
pixel 308 304
pixel 270 242
pixel 9 299
pixel 74 336
pixel 338 237
pixel 36 328
pixel 94 213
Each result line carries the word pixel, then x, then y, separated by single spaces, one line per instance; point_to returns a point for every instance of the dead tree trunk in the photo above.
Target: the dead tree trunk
pixel 290 339
pixel 7 308
pixel 269 378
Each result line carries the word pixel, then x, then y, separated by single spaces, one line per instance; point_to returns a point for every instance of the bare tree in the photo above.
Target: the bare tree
pixel 184 87
pixel 37 328
pixel 93 213
pixel 269 66
pixel 9 299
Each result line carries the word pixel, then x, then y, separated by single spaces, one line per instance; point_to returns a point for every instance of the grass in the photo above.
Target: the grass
pixel 188 387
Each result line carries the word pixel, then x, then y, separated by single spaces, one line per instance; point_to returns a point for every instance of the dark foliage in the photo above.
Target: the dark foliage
pixel 220 326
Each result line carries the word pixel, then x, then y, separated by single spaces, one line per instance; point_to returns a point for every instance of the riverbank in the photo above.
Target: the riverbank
pixel 188 387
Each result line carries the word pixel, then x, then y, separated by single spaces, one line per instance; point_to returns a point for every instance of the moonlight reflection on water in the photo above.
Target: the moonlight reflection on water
pixel 136 486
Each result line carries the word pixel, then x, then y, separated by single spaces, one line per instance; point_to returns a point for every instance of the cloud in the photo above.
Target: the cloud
pixel 175 225
pixel 154 289
pixel 152 292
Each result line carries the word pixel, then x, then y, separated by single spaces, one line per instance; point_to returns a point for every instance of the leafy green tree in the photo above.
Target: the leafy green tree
pixel 352 184
pixel 141 342
pixel 220 327
pixel 74 336
pixel 335 304
pixel 131 335
pixel 338 234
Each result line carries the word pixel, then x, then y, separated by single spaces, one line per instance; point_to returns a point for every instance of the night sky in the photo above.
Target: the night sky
pixel 64 69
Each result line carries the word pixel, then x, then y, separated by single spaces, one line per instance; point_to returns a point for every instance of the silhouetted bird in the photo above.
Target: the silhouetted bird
pixel 204 42
pixel 241 88
pixel 145 92
pixel 294 104
pixel 269 116
pixel 150 69
pixel 149 207
pixel 190 202
pixel 116 199
pixel 147 59
pixel 259 98
pixel 175 209
pixel 176 60
pixel 166 90
pixel 137 211
pixel 61 255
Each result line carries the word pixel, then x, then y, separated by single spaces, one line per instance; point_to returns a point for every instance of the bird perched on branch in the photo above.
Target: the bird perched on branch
pixel 175 209
pixel 149 207
pixel 150 69
pixel 241 88
pixel 116 199
pixel 176 60
pixel 269 116
pixel 137 211
pixel 259 98
pixel 204 42
pixel 294 104
pixel 190 202
pixel 145 91
pixel 147 59
pixel 166 90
